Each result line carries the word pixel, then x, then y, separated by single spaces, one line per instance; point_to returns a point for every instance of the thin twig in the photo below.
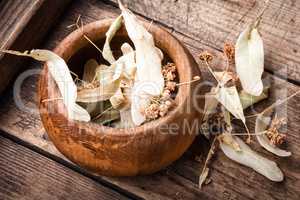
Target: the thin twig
pixel 259 133
pixel 212 72
pixel 259 17
pixel 209 155
pixel 188 82
pixel 148 29
pixel 279 102
pixel 105 111
pixel 84 35
pixel 52 99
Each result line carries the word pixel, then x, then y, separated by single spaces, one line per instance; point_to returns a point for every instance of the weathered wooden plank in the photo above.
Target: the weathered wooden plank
pixel 25 174
pixel 178 181
pixel 23 24
pixel 214 22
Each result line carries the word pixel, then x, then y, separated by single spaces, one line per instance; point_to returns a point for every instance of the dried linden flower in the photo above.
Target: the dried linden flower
pixel 171 85
pixel 229 51
pixel 169 71
pixel 152 111
pixel 273 133
pixel 206 56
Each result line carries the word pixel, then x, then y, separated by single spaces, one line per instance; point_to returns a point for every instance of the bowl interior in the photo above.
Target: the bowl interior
pixel 81 56
pixel 76 50
pixel 77 60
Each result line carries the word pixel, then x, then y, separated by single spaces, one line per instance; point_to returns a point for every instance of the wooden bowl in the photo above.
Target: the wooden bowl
pixel 121 152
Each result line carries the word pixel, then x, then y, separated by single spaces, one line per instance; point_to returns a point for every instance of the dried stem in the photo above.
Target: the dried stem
pixel 52 99
pixel 196 78
pixel 212 72
pixel 259 17
pixel 148 28
pixel 259 133
pixel 209 155
pixel 84 35
pixel 248 133
pixel 105 111
pixel 279 102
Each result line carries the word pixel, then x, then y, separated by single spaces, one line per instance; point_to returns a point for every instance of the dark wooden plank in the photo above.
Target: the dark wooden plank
pixel 23 24
pixel 25 174
pixel 214 22
pixel 179 181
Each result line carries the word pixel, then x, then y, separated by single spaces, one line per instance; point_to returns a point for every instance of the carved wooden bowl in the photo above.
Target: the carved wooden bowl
pixel 121 152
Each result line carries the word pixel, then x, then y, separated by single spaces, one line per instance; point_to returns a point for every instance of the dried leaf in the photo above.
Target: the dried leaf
pixel 62 76
pixel 129 73
pixel 160 53
pixel 227 139
pixel 229 98
pixel 89 70
pixel 124 66
pixel 261 125
pixel 141 99
pixel 126 119
pixel 117 99
pixel 205 169
pixel 107 53
pixel 203 177
pixel 253 160
pixel 248 100
pixel 227 117
pixel 130 66
pixel 224 77
pixel 249 59
pixel 126 48
pixel 148 61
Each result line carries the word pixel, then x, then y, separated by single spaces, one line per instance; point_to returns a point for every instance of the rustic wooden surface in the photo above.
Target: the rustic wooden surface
pixel 28 175
pixel 179 181
pixel 24 23
pixel 211 23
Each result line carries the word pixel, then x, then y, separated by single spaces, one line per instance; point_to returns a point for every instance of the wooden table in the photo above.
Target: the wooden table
pixel 31 167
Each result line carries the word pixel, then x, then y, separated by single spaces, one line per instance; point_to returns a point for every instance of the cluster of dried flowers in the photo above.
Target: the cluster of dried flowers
pixel 226 99
pixel 161 105
pixel 131 90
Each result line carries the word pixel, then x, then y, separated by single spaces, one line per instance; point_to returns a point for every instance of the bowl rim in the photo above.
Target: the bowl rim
pixel 77 36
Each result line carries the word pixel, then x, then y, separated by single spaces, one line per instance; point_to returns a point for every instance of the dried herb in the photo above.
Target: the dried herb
pixel 149 81
pixel 249 158
pixel 107 53
pixel 229 98
pixel 248 100
pixel 272 136
pixel 62 76
pixel 205 170
pixel 249 60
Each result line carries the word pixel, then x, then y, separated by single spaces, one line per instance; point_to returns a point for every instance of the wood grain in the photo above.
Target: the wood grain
pixel 25 174
pixel 24 23
pixel 179 181
pixel 211 23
